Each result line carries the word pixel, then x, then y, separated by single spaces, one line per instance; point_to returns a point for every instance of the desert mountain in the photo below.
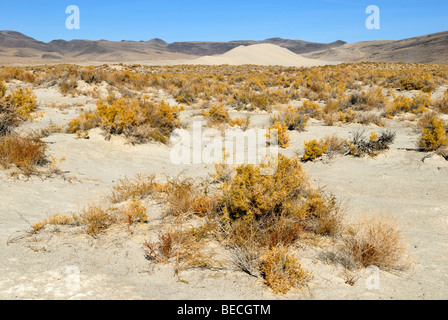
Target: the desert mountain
pixel 431 48
pixel 17 48
pixel 215 48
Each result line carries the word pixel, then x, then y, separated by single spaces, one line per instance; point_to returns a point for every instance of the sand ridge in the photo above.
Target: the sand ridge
pixel 261 54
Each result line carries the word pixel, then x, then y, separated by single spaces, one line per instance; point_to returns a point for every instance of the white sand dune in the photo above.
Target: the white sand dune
pixel 261 54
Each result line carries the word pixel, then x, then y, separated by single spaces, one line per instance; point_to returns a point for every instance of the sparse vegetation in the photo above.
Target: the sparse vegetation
pixel 313 150
pixel 282 271
pixel 434 135
pixel 360 145
pixel 24 152
pixel 261 219
pixel 375 241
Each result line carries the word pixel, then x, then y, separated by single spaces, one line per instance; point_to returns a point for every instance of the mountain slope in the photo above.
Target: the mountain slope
pixel 431 48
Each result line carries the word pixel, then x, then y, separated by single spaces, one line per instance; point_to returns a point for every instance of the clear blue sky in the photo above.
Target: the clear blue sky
pixel 182 20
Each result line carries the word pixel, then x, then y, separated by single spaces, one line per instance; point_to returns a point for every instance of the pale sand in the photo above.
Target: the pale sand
pixel 261 54
pixel 113 267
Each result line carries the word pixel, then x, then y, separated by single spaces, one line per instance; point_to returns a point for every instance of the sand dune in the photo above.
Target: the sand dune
pixel 261 54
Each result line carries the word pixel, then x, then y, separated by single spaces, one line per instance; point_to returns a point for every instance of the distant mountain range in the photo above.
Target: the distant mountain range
pixel 18 48
pixel 431 48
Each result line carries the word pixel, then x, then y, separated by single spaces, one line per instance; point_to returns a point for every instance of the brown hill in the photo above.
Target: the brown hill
pixel 431 48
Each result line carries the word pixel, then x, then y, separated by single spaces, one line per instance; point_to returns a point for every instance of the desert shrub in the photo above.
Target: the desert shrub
pixel 217 114
pixel 335 145
pixel 244 124
pixel 423 82
pixel 311 109
pixel 282 271
pixel 15 108
pixel 181 195
pixel 434 135
pixel 138 119
pixel 3 89
pixel 161 250
pixel 399 104
pixel 246 257
pixel 280 134
pixel 139 187
pixel 266 232
pixel 348 116
pixel 313 150
pixel 441 104
pixel 182 247
pixel 83 123
pixel 357 99
pixel 203 205
pixel 367 118
pixel 374 99
pixel 275 216
pixel 250 195
pixel 68 86
pixel 418 104
pixel 55 220
pixel 94 219
pixel 190 251
pixel 24 102
pixel 360 146
pixel 26 153
pixel 8 118
pixel 294 119
pixel 375 241
pixel 324 215
pixel 134 212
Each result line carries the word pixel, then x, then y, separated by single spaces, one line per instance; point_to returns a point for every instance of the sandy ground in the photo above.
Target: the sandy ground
pixel 397 183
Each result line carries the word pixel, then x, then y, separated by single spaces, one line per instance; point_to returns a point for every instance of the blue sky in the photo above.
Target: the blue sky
pixel 183 20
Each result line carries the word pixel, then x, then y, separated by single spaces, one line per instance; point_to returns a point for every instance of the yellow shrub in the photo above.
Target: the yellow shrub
pixel 134 212
pixel 94 219
pixel 282 271
pixel 26 153
pixel 294 119
pixel 25 103
pixel 282 133
pixel 138 119
pixel 84 122
pixel 217 114
pixel 2 89
pixel 348 116
pixel 250 194
pixel 140 187
pixel 118 115
pixel 399 104
pixel 434 135
pixel 313 150
pixel 240 122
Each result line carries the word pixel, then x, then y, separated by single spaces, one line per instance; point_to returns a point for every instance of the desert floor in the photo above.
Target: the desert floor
pixel 399 183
